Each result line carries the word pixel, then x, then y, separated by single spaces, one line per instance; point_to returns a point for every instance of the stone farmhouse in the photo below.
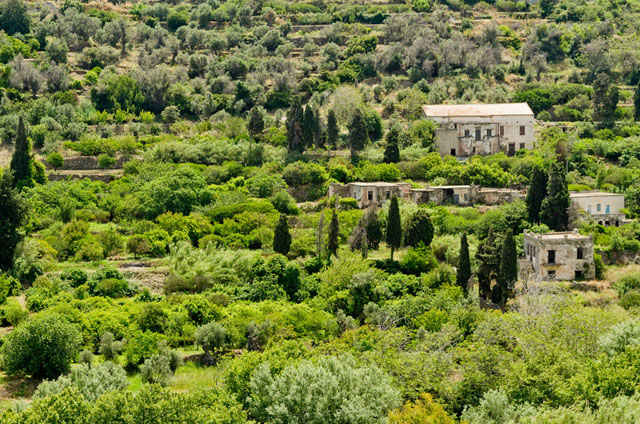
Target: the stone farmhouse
pixel 377 193
pixel 557 256
pixel 481 129
pixel 603 208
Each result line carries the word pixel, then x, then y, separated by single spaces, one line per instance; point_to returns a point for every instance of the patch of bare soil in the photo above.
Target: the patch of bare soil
pixel 145 274
pixel 16 387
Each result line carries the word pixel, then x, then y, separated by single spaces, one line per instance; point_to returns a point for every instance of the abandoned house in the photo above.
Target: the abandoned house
pixel 370 193
pixel 481 129
pixel 558 256
pixel 601 207
pixel 461 195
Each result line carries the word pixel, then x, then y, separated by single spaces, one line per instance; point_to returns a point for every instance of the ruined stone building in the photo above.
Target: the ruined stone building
pixel 557 256
pixel 601 207
pixel 460 195
pixel 481 129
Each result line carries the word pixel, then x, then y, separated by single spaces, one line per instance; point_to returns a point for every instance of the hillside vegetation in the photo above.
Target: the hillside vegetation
pixel 170 253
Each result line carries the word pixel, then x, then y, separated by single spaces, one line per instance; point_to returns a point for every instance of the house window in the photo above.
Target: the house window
pixel 478 134
pixel 489 133
pixel 589 209
pixel 453 152
pixel 467 133
pixel 580 254
pixel 579 274
pixel 501 130
pixel 598 207
pixel 522 131
pixel 388 194
pixel 522 145
pixel 370 195
pixel 466 197
pixel 607 209
pixel 551 274
pixel 551 257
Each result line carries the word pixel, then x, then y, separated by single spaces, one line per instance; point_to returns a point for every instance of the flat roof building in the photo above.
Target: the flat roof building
pixel 559 256
pixel 481 129
pixel 601 207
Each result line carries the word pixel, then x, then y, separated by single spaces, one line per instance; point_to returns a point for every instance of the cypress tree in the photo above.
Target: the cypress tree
pixel 464 267
pixel 281 236
pixel 295 117
pixel 333 132
pixel 508 271
pixel 394 226
pixel 419 229
pixel 636 103
pixel 358 136
pixel 554 211
pixel 256 123
pixel 308 122
pixel 605 100
pixel 318 136
pixel 320 236
pixel 488 257
pixel 21 159
pixel 536 194
pixel 13 215
pixel 392 150
pixel 334 231
pixel 365 245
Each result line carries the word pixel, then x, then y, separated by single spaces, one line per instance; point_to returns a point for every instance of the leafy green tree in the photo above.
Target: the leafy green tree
pixel 334 230
pixel 324 392
pixel 547 6
pixel 21 159
pixel 554 212
pixel 419 229
pixel 281 236
pixel 13 216
pixel 44 346
pixel 56 160
pixel 358 136
pixel 394 226
pixel 488 257
pixel 422 411
pixel 392 150
pixel 333 132
pixel 464 266
pixel 14 17
pixel 213 338
pixel 508 271
pixel 536 193
pixel 156 370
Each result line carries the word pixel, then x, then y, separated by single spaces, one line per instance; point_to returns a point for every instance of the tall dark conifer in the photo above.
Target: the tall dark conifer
pixel 508 271
pixel 536 194
pixel 488 257
pixel 464 266
pixel 333 132
pixel 281 236
pixel 554 211
pixel 308 123
pixel 13 213
pixel 334 231
pixel 21 159
pixel 358 136
pixel 295 116
pixel 392 150
pixel 394 226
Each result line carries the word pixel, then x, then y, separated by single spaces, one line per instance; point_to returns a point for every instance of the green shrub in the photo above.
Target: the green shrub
pixel 91 381
pixel 140 346
pixel 56 160
pixel 44 346
pixel 156 370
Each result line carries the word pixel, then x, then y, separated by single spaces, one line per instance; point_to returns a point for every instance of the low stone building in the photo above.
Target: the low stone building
pixel 481 129
pixel 559 256
pixel 601 207
pixel 460 195
pixel 370 193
